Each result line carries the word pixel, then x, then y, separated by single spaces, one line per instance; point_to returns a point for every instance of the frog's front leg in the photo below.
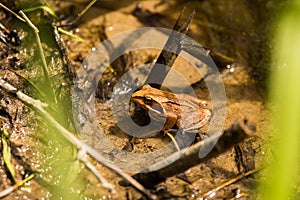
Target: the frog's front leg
pixel 171 121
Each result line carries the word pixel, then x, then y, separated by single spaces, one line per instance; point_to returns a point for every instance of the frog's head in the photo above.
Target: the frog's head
pixel 150 99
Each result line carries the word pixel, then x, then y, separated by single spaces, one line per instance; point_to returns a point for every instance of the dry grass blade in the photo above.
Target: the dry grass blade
pixel 205 195
pixel 14 187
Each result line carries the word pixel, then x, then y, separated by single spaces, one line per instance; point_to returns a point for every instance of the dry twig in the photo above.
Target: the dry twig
pixel 171 50
pixel 12 12
pixel 39 107
pixel 200 152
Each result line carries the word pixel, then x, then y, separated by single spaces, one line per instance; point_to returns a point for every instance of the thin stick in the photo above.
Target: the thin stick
pixel 82 156
pixel 230 182
pixel 39 107
pixel 45 66
pixel 133 182
pixel 12 12
pixel 170 51
pixel 15 186
pixel 86 9
pixel 81 13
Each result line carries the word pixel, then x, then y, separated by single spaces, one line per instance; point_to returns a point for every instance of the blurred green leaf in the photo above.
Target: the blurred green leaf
pixel 73 172
pixel 285 95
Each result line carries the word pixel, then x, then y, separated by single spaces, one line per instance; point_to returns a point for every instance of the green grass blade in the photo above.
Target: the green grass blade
pixel 6 151
pixel 76 37
pixel 34 86
pixel 45 8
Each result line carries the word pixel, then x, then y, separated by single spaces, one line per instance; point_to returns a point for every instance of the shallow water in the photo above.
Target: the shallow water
pixel 236 29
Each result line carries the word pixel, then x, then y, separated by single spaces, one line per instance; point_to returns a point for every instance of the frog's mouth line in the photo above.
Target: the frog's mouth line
pixel 157 109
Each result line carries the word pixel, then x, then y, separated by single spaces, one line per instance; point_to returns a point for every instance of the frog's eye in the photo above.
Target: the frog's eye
pixel 148 100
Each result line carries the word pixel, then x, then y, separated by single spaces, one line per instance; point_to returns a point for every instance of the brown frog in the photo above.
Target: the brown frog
pixel 180 110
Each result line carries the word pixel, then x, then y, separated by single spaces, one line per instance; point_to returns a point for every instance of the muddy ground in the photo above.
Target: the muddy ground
pixel 236 29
